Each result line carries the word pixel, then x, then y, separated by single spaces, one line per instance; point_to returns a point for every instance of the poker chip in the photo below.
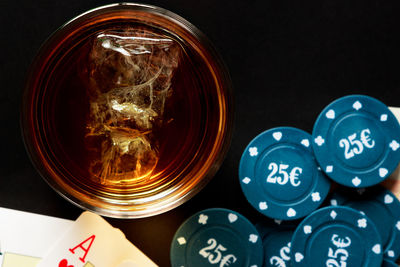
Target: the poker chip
pixel 356 140
pixel 216 237
pixel 276 240
pixel 336 236
pixel 387 263
pixel 279 175
pixel 383 208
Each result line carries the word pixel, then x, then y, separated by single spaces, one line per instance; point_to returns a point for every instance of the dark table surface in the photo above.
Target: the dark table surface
pixel 287 60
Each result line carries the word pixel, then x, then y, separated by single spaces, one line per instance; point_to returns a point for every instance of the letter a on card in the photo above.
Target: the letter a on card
pixel 81 246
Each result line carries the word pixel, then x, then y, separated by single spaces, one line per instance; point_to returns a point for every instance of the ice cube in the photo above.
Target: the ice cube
pixel 130 74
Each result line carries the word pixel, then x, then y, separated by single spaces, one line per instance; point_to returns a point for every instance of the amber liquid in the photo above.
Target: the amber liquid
pixel 190 121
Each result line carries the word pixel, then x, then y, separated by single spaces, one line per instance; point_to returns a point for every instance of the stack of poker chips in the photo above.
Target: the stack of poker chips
pixel 357 227
pixel 354 146
pixel 319 192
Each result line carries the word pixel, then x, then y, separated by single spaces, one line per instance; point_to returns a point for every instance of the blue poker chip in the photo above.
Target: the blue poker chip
pixel 279 175
pixel 387 263
pixel 356 140
pixel 216 237
pixel 383 208
pixel 336 236
pixel 276 238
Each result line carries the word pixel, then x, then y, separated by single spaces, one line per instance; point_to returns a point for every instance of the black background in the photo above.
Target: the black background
pixel 287 60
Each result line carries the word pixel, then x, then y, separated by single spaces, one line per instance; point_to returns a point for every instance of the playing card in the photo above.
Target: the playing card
pixel 29 234
pixel 92 242
pixel 393 182
pixel 25 236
